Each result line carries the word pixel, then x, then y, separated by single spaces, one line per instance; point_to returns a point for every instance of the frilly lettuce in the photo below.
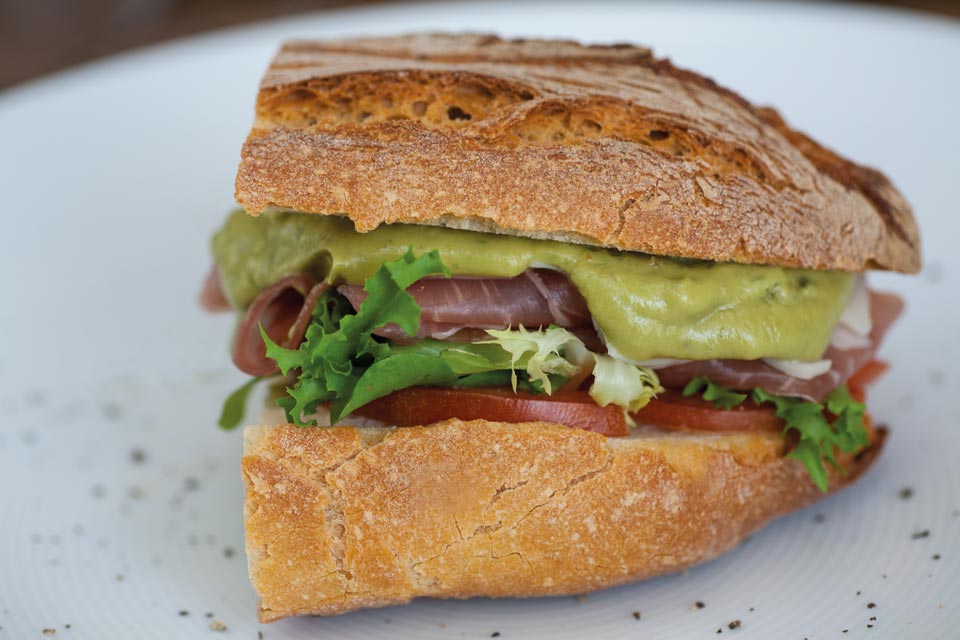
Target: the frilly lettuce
pixel 623 384
pixel 541 351
pixel 818 436
pixel 557 351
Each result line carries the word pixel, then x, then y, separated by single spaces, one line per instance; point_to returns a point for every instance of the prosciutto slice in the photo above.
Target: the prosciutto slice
pixel 747 374
pixel 535 298
pixel 212 297
pixel 284 309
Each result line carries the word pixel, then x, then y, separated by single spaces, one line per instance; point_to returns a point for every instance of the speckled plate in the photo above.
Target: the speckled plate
pixel 121 500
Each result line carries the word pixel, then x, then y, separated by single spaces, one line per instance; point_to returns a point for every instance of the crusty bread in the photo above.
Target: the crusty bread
pixel 345 518
pixel 601 145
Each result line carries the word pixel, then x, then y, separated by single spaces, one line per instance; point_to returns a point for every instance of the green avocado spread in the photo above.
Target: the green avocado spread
pixel 646 306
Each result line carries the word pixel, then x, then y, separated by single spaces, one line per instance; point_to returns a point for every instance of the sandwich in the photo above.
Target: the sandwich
pixel 537 318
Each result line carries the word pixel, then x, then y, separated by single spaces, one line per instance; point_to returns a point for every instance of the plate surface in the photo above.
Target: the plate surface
pixel 122 500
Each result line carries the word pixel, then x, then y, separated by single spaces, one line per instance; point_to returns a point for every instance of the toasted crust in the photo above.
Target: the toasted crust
pixel 345 518
pixel 601 145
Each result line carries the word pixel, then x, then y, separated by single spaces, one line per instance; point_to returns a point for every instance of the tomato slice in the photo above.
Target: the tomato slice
pixel 671 410
pixel 867 375
pixel 425 405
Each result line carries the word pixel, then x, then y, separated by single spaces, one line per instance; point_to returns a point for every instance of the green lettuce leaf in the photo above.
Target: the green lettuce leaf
pixel 341 362
pixel 721 397
pixel 818 437
pixel 232 412
pixel 485 365
pixel 391 374
pixel 462 357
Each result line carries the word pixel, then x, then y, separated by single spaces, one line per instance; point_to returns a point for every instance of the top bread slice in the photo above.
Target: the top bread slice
pixel 603 145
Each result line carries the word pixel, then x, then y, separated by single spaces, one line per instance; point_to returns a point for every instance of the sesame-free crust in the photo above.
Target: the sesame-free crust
pixel 604 145
pixel 345 518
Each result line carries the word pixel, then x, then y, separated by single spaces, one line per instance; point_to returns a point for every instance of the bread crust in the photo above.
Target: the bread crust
pixel 601 145
pixel 345 518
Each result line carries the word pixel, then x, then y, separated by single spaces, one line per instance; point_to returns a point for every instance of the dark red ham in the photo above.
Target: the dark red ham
pixel 284 309
pixel 212 297
pixel 747 374
pixel 535 298
pixel 457 309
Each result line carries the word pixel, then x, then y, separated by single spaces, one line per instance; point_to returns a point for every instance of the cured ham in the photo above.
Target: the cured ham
pixel 747 374
pixel 212 297
pixel 456 309
pixel 535 298
pixel 284 309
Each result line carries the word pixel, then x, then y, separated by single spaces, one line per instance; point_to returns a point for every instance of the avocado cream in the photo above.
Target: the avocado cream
pixel 647 306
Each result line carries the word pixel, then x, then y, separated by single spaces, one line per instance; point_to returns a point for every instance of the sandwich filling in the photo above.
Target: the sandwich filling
pixel 408 323
pixel 645 307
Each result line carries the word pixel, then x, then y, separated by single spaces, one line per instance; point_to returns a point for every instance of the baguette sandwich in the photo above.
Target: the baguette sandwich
pixel 578 317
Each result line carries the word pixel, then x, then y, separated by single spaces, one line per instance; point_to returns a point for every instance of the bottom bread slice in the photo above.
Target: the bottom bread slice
pixel 345 518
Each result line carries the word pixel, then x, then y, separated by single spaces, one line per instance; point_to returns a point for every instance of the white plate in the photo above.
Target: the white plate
pixel 112 178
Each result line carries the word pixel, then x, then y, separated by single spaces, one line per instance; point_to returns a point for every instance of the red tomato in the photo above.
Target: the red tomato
pixel 425 405
pixel 867 375
pixel 670 410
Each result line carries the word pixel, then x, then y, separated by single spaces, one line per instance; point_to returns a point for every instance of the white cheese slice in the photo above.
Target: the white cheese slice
pixel 805 370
